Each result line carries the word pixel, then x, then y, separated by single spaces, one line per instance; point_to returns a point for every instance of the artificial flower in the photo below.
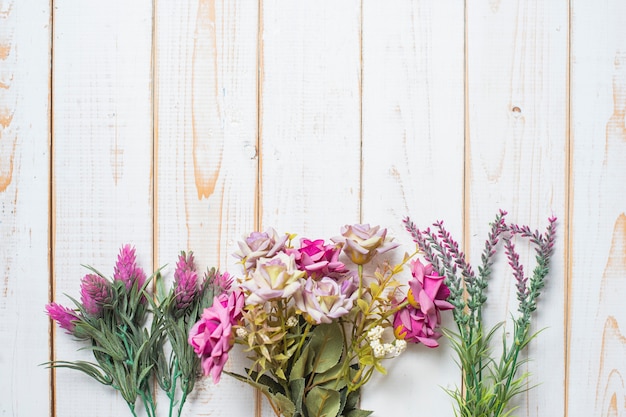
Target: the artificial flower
pixel 260 245
pixel 412 325
pixel 427 292
pixel 95 292
pixel 64 316
pixel 363 242
pixel 212 337
pixel 126 269
pixel 276 277
pixel 185 282
pixel 325 299
pixel 318 259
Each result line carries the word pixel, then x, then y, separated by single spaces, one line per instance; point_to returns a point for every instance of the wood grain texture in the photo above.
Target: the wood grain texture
pixel 516 155
pixel 102 163
pixel 206 115
pixel 310 116
pixel 598 241
pixel 24 202
pixel 413 127
pixel 310 133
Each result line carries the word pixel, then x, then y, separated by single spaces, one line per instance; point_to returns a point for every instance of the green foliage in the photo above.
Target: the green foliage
pixel 316 385
pixel 129 353
pixel 489 382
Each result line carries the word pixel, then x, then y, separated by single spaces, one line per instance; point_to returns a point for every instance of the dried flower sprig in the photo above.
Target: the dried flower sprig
pixel 489 383
pixel 129 352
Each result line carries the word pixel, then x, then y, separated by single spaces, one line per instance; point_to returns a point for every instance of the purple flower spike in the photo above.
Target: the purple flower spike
pixel 185 281
pixel 126 269
pixel 64 316
pixel 95 292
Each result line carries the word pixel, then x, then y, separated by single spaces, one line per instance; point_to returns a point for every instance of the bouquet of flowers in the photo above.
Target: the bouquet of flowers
pixel 129 351
pixel 489 382
pixel 316 321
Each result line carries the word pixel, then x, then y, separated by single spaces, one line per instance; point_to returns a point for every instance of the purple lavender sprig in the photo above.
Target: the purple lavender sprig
pixel 489 383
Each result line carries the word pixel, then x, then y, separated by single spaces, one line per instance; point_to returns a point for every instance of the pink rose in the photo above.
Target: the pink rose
pixel 411 324
pixel 427 292
pixel 319 260
pixel 211 337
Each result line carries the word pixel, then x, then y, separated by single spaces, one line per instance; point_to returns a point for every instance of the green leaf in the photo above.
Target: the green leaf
pixel 284 405
pixel 264 382
pixel 297 393
pixel 327 345
pixel 332 378
pixel 303 365
pixel 359 413
pixel 322 402
pixel 88 368
pixel 363 305
pixel 353 399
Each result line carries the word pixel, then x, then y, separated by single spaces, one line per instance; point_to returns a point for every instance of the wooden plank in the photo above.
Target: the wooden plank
pixel 597 319
pixel 309 118
pixel 102 163
pixel 24 201
pixel 413 126
pixel 516 159
pixel 206 107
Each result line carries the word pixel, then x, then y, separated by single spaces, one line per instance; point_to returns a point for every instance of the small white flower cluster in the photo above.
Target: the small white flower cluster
pixel 292 321
pixel 241 333
pixel 382 350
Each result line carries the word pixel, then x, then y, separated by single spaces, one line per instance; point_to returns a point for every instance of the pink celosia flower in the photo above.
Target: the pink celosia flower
pixel 95 292
pixel 363 242
pixel 260 245
pixel 223 281
pixel 276 277
pixel 427 292
pixel 325 299
pixel 185 281
pixel 211 337
pixel 319 260
pixel 126 269
pixel 64 316
pixel 411 324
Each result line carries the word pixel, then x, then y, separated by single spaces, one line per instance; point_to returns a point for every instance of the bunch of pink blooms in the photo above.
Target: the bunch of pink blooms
pixel 290 298
pixel 97 292
pixel 130 353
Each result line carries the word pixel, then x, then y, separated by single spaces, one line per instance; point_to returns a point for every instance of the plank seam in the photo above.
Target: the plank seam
pixel 568 209
pixel 51 216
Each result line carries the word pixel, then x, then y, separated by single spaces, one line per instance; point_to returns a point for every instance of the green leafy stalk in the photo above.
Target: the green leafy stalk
pixel 489 382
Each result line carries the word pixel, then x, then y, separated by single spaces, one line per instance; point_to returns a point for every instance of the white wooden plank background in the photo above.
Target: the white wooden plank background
pixel 206 137
pixel 102 164
pixel 185 125
pixel 413 119
pixel 516 159
pixel 597 319
pixel 24 206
